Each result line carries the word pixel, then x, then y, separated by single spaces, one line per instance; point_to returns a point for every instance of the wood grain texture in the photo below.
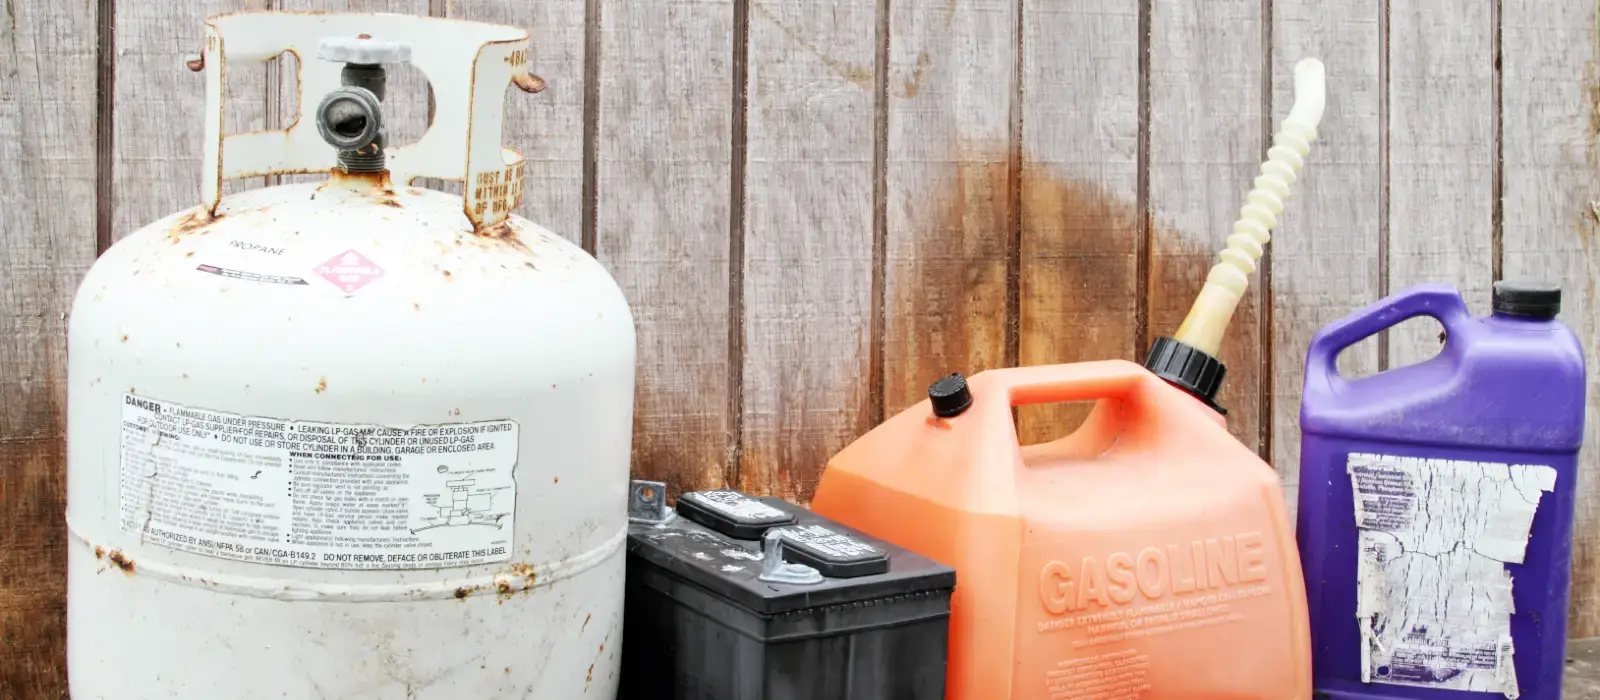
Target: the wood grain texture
pixel 1583 666
pixel 547 127
pixel 1324 261
pixel 951 220
pixel 808 230
pixel 1441 157
pixel 160 108
pixel 1206 147
pixel 664 158
pixel 47 241
pixel 1080 244
pixel 1551 79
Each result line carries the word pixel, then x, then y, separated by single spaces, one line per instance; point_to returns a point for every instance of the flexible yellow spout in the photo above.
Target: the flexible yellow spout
pixel 1226 282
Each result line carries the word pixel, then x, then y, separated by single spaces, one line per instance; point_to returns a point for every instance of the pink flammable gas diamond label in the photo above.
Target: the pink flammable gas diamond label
pixel 349 270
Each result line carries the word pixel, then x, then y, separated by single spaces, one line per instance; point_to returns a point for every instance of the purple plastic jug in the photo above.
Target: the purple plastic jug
pixel 1436 502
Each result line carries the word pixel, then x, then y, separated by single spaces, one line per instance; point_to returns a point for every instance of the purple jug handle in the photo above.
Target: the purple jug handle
pixel 1440 301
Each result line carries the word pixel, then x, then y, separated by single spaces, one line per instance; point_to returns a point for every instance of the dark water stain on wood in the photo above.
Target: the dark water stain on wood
pixel 947 284
pixel 33 539
pixel 674 427
pixel 1080 288
pixel 784 456
pixel 1077 248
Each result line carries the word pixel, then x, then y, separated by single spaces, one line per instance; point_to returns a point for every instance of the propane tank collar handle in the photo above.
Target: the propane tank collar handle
pixel 468 65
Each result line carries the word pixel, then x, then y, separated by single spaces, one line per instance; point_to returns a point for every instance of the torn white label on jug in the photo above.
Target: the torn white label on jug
pixel 1434 598
pixel 317 495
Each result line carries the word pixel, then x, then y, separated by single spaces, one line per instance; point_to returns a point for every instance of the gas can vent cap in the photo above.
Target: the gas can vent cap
pixel 1527 298
pixel 950 396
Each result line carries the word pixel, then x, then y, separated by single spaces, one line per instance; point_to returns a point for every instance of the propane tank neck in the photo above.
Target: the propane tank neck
pixel 351 118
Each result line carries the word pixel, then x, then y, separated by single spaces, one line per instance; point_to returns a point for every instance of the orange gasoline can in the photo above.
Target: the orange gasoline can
pixel 1147 555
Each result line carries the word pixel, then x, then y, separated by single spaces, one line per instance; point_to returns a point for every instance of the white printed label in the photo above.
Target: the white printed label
pixel 833 545
pixel 317 495
pixel 1434 597
pixel 737 506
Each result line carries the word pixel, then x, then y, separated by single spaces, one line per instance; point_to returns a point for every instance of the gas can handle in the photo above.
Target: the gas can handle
pixel 468 64
pixel 1079 381
pixel 1440 301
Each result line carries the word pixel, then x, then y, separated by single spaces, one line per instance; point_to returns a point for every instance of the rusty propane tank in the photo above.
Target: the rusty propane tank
pixel 350 438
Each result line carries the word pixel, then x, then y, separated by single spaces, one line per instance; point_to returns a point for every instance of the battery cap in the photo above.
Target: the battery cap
pixel 731 513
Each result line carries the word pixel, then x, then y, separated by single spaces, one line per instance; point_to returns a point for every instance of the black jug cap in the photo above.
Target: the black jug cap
pixel 1188 368
pixel 1528 298
pixel 950 396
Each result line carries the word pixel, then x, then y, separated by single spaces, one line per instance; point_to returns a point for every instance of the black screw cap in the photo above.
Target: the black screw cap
pixel 950 396
pixel 1188 368
pixel 1527 298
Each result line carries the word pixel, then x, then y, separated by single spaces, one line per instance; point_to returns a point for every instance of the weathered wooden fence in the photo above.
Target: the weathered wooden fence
pixel 819 206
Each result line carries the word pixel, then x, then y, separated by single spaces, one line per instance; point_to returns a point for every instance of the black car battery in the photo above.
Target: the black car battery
pixel 734 597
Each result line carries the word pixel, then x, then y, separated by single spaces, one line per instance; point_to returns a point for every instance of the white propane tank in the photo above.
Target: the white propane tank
pixel 350 438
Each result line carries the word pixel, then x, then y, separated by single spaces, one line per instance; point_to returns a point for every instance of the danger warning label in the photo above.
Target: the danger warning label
pixel 318 495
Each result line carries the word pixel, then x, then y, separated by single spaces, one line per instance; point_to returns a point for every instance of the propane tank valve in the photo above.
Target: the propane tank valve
pixel 351 117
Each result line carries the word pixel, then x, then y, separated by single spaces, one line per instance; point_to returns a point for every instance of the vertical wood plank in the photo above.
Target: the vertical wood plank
pixel 546 128
pixel 664 198
pixel 1080 242
pixel 47 241
pixel 160 106
pixel 1324 261
pixel 951 224
pixel 808 239
pixel 1441 157
pixel 1206 146
pixel 1551 79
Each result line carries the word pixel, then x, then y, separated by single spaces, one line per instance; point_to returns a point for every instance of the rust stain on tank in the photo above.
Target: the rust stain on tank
pixel 99 552
pixel 377 184
pixel 121 561
pixel 464 591
pixel 322 384
pixel 504 233
pixel 197 219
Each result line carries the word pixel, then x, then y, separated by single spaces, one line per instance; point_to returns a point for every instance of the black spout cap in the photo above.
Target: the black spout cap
pixel 1527 298
pixel 950 396
pixel 1188 368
